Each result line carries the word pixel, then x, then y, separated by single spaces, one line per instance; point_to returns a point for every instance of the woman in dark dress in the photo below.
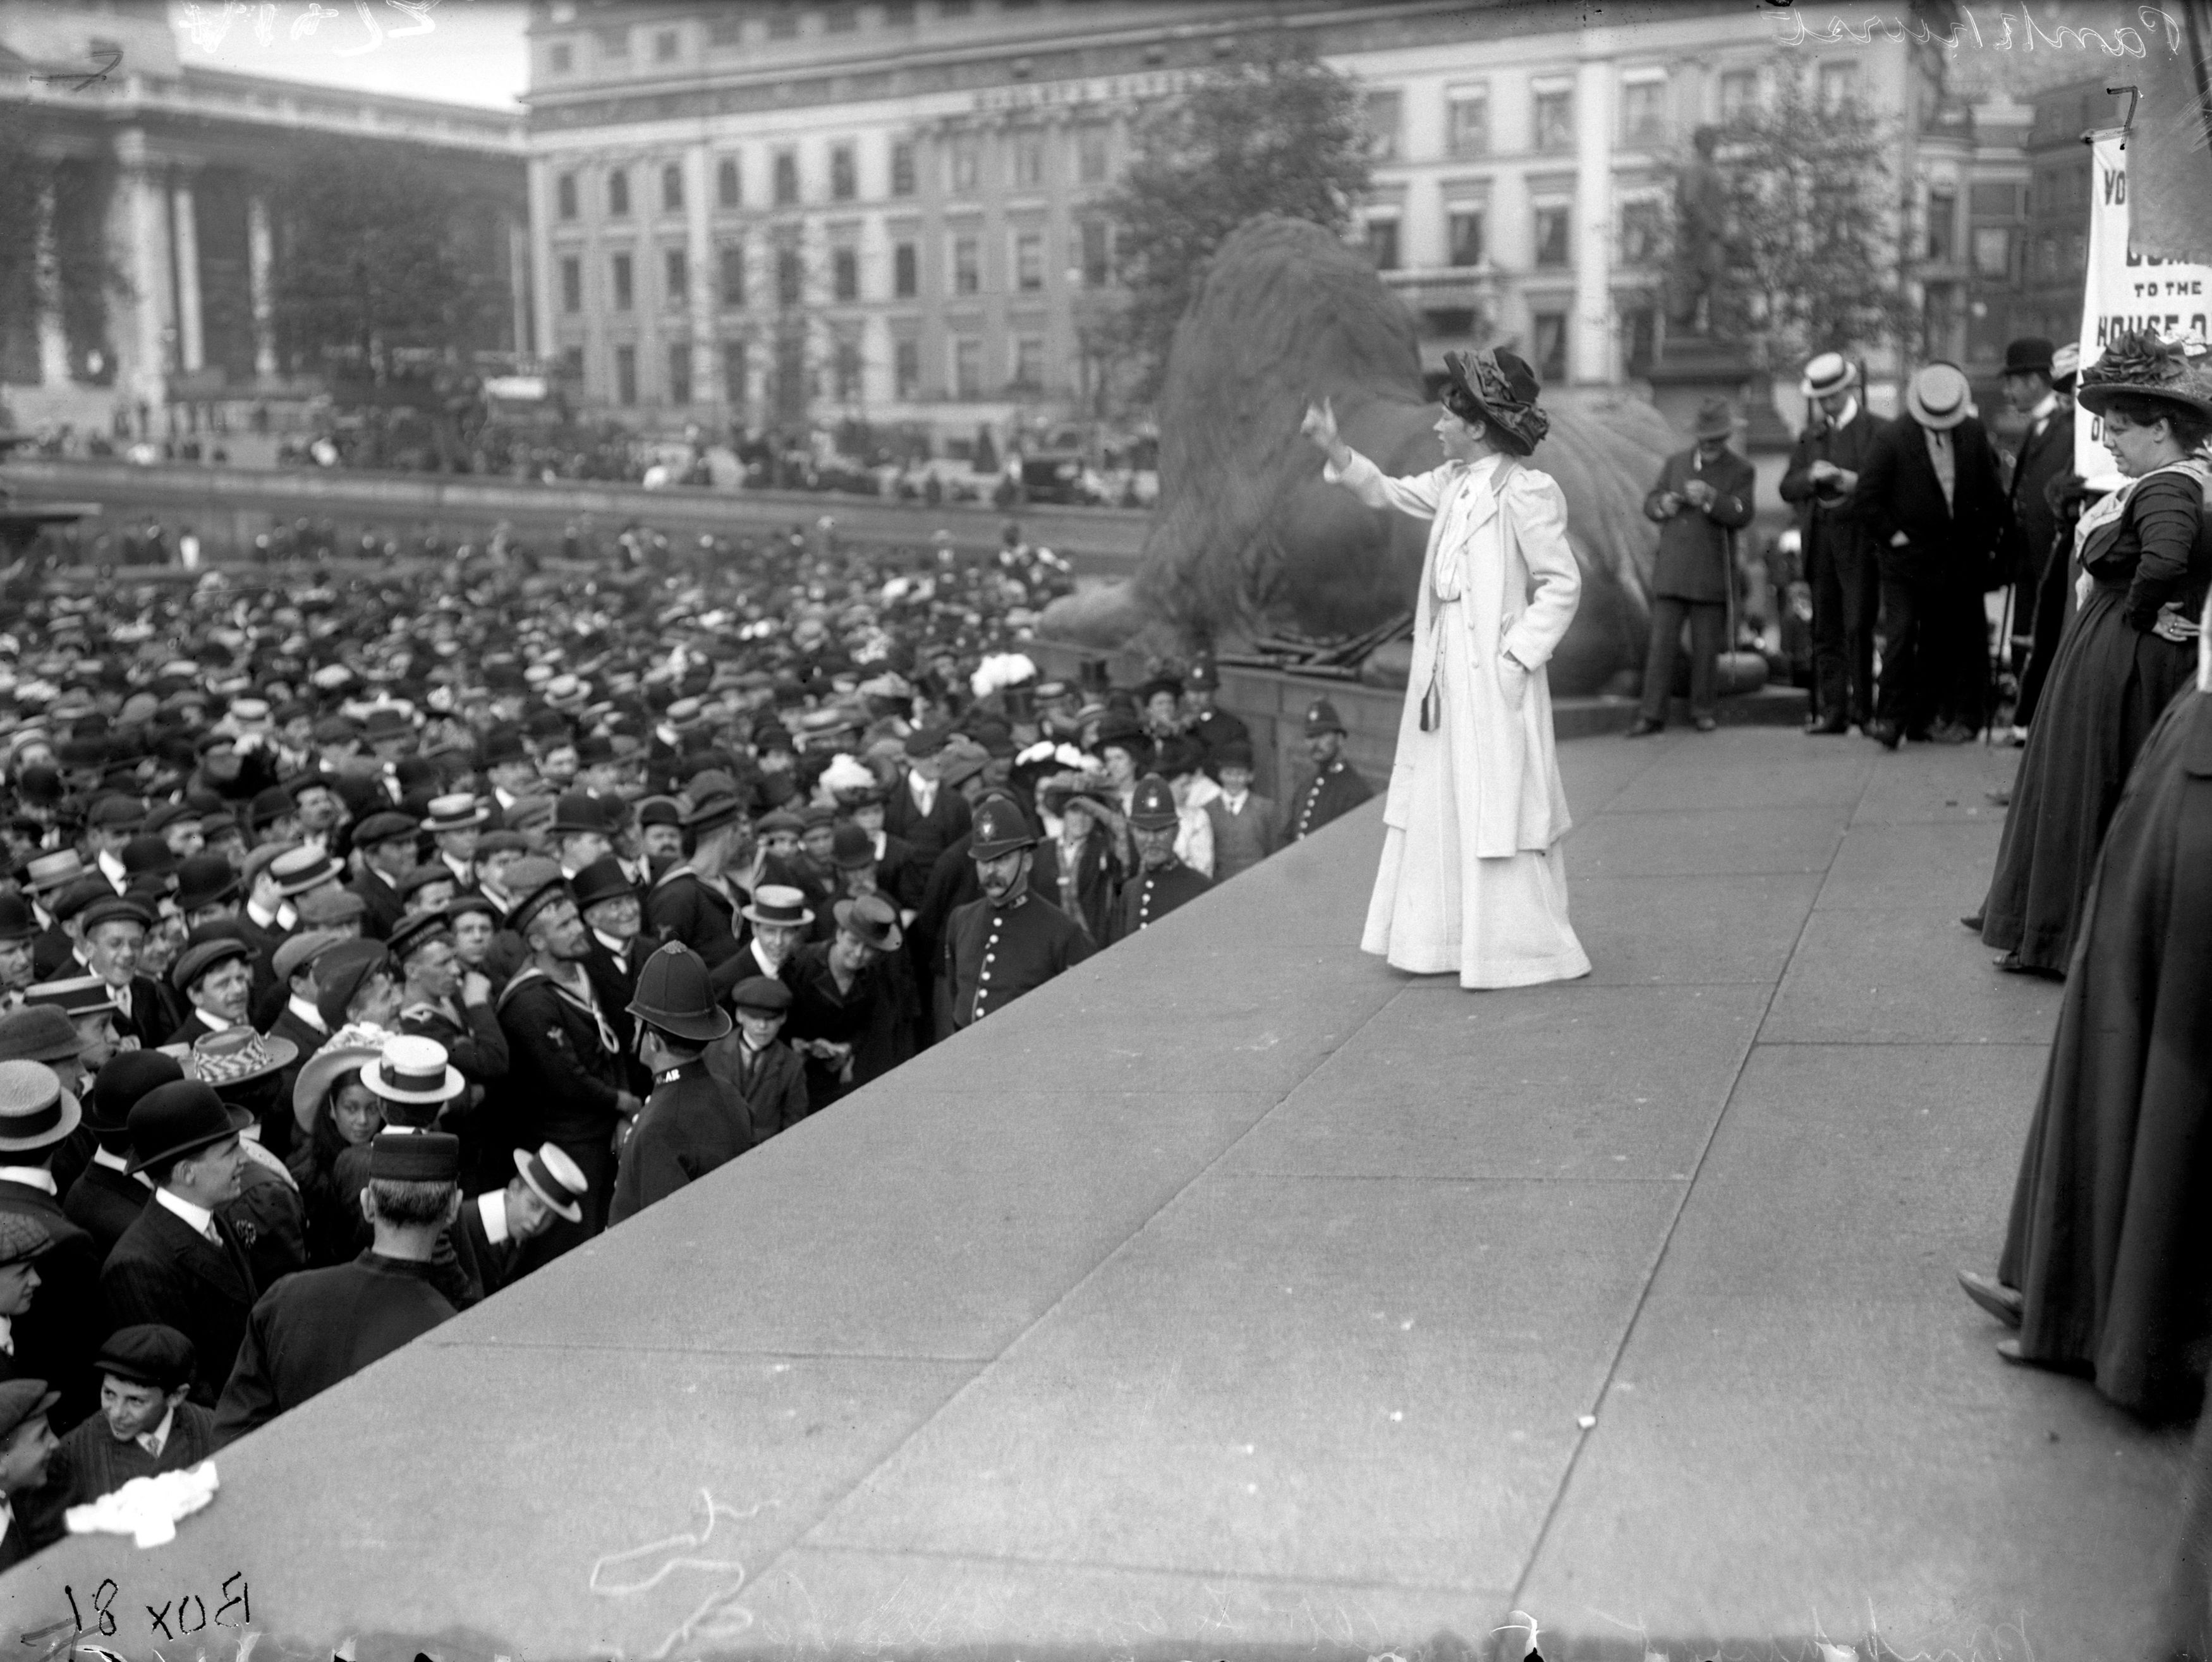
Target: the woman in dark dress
pixel 2103 1267
pixel 2147 553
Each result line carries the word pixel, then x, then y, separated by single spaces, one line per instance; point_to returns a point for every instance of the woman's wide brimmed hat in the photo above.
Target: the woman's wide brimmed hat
pixel 2140 365
pixel 1499 389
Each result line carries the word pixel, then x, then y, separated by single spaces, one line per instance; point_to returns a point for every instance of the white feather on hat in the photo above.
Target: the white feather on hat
pixel 1001 669
pixel 846 772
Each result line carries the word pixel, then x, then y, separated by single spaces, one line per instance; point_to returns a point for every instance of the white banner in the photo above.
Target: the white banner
pixel 2124 293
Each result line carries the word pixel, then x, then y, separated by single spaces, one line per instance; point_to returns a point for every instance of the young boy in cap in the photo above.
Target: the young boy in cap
pixel 765 1073
pixel 692 1123
pixel 146 1424
pixel 320 1326
pixel 1247 826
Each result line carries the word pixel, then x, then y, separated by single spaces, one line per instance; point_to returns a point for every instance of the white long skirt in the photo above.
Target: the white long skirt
pixel 1438 909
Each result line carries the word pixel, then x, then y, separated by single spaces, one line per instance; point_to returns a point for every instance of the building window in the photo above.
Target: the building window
pixel 676 267
pixel 1550 331
pixel 625 374
pixel 1643 113
pixel 572 363
pixel 1838 84
pixel 845 273
pixel 1029 161
pixel 564 196
pixel 906 367
pixel 679 373
pixel 841 19
pixel 1552 239
pixel 783 21
pixel 844 176
pixel 849 370
pixel 666 46
pixel 1738 93
pixel 1465 226
pixel 561 57
pixel 786 178
pixel 1382 244
pixel 733 374
pixel 728 192
pixel 733 275
pixel 1639 338
pixel 1555 119
pixel 614 41
pixel 1095 255
pixel 790 276
pixel 1092 156
pixel 1385 112
pixel 617 194
pixel 906 270
pixel 1029 364
pixel 966 265
pixel 1992 251
pixel 621 282
pixel 1942 226
pixel 967 369
pixel 902 168
pixel 965 166
pixel 1028 259
pixel 725 28
pixel 1467 121
pixel 572 283
pixel 1641 228
pixel 671 188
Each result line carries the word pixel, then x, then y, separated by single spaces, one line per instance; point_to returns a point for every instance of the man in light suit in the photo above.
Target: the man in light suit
pixel 1931 492
pixel 1702 499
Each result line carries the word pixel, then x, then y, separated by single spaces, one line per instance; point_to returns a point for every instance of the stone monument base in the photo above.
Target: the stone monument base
pixel 1693 368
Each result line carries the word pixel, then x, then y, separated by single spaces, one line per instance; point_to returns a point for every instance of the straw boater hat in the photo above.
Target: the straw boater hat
pixel 2140 365
pixel 412 1069
pixel 1827 374
pixel 1938 397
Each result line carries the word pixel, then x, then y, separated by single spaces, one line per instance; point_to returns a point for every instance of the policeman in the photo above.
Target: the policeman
pixel 690 1125
pixel 1210 725
pixel 999 947
pixel 1162 882
pixel 1335 786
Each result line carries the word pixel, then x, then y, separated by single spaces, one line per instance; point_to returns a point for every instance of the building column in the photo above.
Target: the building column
pixel 699 244
pixel 53 339
pixel 1590 352
pixel 260 266
pixel 146 230
pixel 192 344
pixel 518 287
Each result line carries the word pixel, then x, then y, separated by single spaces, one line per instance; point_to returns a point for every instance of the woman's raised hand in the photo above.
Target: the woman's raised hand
pixel 1320 426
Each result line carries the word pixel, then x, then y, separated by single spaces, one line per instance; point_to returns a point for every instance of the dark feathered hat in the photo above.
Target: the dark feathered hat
pixel 1499 389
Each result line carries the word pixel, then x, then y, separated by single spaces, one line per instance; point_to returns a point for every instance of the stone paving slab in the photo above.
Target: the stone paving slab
pixel 1083 1334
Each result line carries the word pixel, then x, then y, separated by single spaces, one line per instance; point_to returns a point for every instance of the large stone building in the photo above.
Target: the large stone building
pixel 168 167
pixel 771 212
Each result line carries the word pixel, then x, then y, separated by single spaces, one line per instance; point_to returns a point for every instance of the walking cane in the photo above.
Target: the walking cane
pixel 1997 667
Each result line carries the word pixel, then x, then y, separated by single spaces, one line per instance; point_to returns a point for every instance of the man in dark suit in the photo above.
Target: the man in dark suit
pixel 1702 499
pixel 612 914
pixel 105 1201
pixel 692 1123
pixel 696 901
pixel 2047 454
pixel 495 1225
pixel 114 932
pixel 1334 787
pixel 180 1264
pixel 1842 563
pixel 57 1338
pixel 1932 494
pixel 922 808
pixel 385 843
pixel 754 1063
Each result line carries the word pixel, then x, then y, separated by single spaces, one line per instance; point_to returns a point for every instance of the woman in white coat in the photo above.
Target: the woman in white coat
pixel 1473 879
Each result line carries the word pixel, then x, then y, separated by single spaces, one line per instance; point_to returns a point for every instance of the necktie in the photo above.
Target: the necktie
pixel 148 1441
pixel 122 997
pixel 214 1235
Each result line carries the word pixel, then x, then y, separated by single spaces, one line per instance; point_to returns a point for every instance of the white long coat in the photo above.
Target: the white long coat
pixel 1519 589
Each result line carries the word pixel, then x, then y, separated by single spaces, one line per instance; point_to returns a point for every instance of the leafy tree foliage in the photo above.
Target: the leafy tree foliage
pixel 1280 134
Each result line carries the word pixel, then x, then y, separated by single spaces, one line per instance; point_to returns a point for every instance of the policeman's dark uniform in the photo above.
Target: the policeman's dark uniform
pixel 1334 790
pixel 1213 728
pixel 997 950
pixel 1153 893
pixel 691 1123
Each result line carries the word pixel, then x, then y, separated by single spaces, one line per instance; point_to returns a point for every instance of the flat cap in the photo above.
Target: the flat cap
pixel 148 1353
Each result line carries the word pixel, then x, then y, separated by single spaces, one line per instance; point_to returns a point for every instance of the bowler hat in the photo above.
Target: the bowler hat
pixel 1000 829
pixel 604 879
pixel 148 1353
pixel 205 880
pixel 35 1111
pixel 273 803
pixel 575 811
pixel 16 922
pixel 851 847
pixel 2031 354
pixel 549 1173
pixel 1233 753
pixel 123 1079
pixel 179 1118
pixel 38 1033
pixel 1153 806
pixel 872 919
pixel 675 994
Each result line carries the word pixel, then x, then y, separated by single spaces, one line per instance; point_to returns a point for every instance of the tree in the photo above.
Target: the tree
pixel 1281 134
pixel 1813 206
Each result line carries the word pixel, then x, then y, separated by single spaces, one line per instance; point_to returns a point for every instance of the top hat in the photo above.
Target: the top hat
pixel 1321 717
pixel 179 1119
pixel 1153 806
pixel 2028 355
pixel 1938 397
pixel 872 919
pixel 779 903
pixel 1828 373
pixel 35 1111
pixel 1499 389
pixel 1000 829
pixel 675 994
pixel 549 1173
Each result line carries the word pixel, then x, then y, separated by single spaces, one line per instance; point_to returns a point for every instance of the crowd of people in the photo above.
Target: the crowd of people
pixel 365 947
